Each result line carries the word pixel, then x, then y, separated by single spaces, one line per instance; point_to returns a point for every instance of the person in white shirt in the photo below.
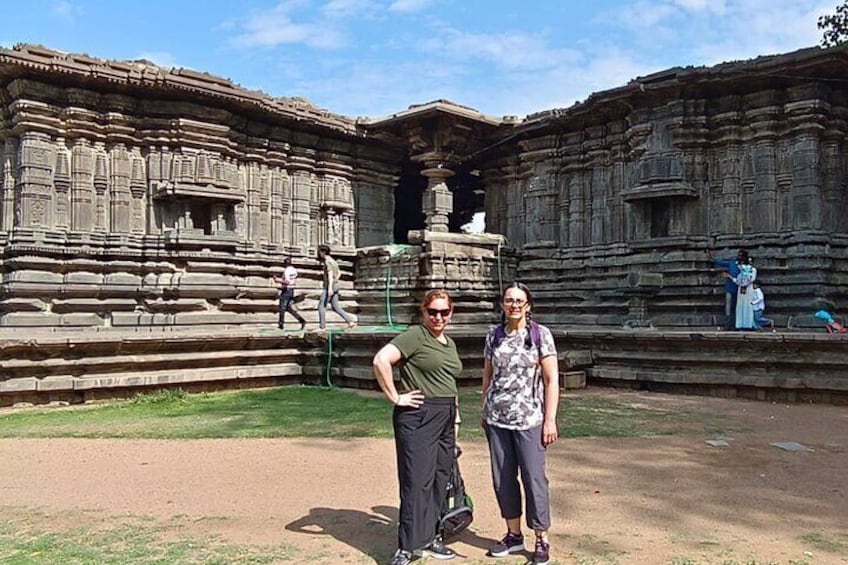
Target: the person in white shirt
pixel 287 284
pixel 758 305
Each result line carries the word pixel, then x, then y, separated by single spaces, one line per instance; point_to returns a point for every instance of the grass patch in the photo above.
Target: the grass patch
pixel 301 411
pixel 30 537
pixel 835 544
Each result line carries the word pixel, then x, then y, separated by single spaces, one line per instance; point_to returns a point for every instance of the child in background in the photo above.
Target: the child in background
pixel 758 305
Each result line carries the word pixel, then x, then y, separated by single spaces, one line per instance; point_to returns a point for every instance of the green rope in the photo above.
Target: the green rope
pixel 393 249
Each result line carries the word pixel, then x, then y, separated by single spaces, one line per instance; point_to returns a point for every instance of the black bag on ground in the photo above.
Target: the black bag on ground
pixel 459 508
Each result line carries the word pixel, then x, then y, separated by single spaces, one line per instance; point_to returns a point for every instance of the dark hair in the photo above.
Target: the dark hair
pixel 523 288
pixel 528 338
pixel 324 248
pixel 286 261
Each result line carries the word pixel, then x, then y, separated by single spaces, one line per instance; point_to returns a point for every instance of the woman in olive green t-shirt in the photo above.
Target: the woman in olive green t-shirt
pixel 426 409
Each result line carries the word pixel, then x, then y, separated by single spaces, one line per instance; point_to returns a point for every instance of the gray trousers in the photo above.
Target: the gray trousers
pixel 334 304
pixel 512 451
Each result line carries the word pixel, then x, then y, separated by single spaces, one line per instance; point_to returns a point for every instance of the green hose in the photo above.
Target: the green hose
pixel 394 249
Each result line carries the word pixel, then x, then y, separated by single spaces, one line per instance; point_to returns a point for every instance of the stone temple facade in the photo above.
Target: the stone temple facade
pixel 136 196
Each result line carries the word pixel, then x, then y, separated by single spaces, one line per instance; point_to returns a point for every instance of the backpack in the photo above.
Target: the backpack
pixel 533 333
pixel 459 508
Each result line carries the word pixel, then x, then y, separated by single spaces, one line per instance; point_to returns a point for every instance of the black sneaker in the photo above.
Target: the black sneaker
pixel 401 557
pixel 542 553
pixel 511 543
pixel 438 550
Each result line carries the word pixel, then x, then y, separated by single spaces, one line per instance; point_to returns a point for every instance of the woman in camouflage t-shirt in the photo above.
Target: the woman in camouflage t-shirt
pixel 520 399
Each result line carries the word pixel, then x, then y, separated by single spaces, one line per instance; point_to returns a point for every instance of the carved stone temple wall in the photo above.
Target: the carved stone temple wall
pixel 132 195
pixel 154 201
pixel 612 202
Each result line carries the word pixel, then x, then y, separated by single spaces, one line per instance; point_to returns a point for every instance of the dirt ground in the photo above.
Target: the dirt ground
pixel 673 500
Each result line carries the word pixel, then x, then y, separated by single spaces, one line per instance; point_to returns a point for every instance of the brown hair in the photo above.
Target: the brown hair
pixel 435 295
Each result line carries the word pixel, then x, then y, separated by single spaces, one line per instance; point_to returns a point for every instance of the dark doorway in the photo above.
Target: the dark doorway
pixel 408 194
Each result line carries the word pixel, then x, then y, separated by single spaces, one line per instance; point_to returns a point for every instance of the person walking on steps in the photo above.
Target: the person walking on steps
pixel 330 293
pixel 520 401
pixel 424 419
pixel 287 284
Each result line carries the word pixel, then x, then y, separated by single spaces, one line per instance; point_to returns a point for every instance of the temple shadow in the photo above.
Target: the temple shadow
pixel 374 533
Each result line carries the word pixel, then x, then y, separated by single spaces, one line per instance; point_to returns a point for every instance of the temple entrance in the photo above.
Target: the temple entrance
pixel 409 214
pixel 468 200
pixel 468 197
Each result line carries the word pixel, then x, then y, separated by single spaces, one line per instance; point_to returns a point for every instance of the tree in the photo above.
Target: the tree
pixel 834 26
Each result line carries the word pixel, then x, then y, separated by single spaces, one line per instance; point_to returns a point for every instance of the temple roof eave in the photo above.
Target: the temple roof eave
pixel 36 60
pixel 433 109
pixel 670 82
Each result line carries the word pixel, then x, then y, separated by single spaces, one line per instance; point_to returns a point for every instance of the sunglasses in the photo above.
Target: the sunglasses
pixel 433 312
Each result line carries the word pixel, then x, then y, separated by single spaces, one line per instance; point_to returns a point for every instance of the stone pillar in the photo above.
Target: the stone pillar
pixel 35 179
pixel 10 174
pixel 437 201
pixel 62 185
pixel 82 186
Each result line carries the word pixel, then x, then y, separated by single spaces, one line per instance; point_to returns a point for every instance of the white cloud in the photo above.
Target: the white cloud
pixel 161 58
pixel 270 28
pixel 348 8
pixel 510 50
pixel 716 6
pixel 65 10
pixel 409 5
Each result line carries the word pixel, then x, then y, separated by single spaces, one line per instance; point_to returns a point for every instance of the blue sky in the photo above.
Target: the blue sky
pixel 376 57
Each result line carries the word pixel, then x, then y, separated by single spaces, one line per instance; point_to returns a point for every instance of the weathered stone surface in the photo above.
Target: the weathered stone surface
pixel 573 380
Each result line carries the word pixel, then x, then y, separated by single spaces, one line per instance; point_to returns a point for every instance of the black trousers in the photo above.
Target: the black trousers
pixel 424 441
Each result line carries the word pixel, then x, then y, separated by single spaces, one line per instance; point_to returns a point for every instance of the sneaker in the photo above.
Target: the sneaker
pixel 401 557
pixel 511 543
pixel 542 553
pixel 438 550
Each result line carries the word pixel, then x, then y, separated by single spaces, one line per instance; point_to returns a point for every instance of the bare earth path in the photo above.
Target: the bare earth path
pixel 654 500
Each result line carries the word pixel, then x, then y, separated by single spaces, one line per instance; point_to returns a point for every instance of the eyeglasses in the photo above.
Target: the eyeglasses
pixel 433 312
pixel 514 302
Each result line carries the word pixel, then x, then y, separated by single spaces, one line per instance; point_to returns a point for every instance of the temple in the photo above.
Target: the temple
pixel 134 196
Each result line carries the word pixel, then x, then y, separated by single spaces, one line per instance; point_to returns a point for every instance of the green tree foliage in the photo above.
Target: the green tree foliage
pixel 835 26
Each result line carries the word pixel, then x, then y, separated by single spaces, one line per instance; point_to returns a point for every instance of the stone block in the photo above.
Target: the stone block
pixel 573 379
pixel 127 318
pixel 56 383
pixel 23 384
pixel 122 279
pixel 575 358
pixel 29 319
pixel 80 319
pixel 83 278
pixel 22 305
pixel 33 277
pixel 93 305
pixel 178 305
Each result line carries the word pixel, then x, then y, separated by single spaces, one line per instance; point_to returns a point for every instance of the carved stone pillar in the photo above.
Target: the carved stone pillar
pixel 82 186
pixel 437 201
pixel 62 185
pixel 35 179
pixel 120 201
pixel 138 186
pixel 805 194
pixel 101 189
pixel 7 195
